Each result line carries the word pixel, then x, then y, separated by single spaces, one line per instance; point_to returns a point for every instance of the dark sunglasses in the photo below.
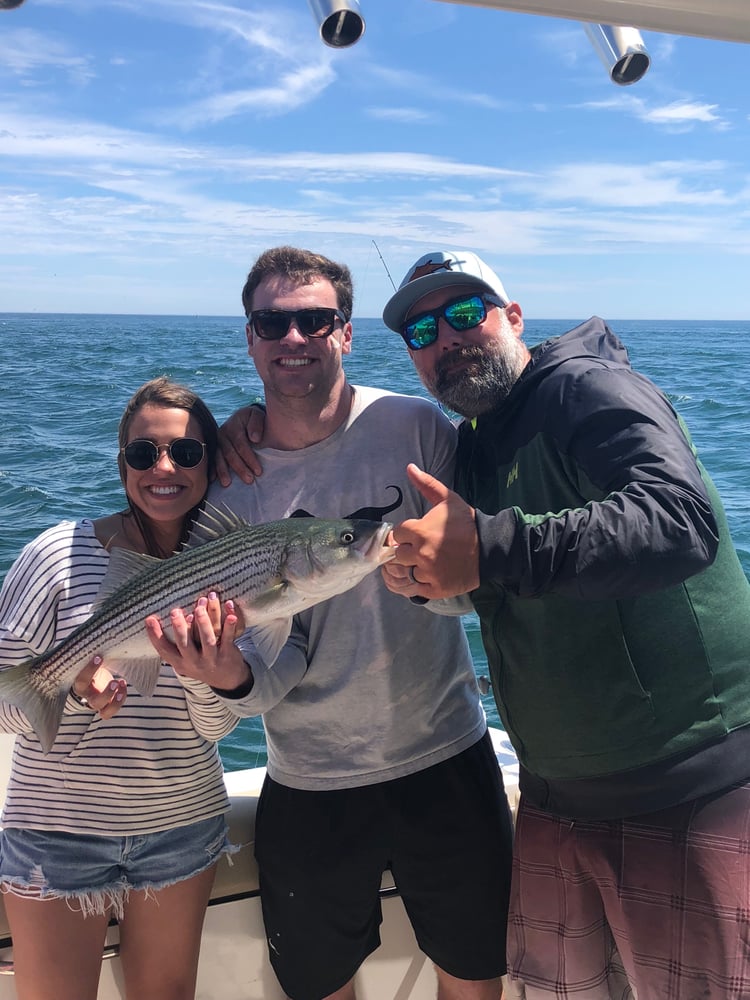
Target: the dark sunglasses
pixel 273 324
pixel 143 454
pixel 460 314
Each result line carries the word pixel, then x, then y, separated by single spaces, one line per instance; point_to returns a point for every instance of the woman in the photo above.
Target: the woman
pixel 127 813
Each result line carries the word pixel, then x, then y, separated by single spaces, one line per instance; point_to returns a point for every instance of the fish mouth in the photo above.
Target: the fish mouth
pixel 385 552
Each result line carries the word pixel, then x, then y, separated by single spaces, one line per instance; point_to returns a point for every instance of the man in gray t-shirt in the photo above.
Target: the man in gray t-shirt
pixel 378 754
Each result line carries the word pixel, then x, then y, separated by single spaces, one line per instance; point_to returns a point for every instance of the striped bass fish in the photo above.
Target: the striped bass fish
pixel 271 571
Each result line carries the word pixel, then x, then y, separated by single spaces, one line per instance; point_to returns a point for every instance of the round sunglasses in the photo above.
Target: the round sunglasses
pixel 273 324
pixel 460 314
pixel 143 454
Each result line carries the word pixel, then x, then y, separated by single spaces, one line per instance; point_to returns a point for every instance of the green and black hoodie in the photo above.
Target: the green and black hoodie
pixel 614 609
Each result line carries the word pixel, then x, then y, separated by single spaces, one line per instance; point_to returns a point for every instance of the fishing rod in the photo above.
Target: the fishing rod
pixel 415 599
pixel 385 266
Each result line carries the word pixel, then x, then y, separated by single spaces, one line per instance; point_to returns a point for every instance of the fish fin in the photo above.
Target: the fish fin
pixel 269 639
pixel 212 523
pixel 267 599
pixel 44 713
pixel 123 566
pixel 141 671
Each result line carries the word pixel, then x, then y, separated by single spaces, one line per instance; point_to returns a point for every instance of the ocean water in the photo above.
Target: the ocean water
pixel 66 378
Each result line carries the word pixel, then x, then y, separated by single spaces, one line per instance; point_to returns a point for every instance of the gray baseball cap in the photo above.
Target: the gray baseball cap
pixel 440 269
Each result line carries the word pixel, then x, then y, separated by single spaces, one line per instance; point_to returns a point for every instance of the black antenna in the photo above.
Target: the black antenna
pixel 384 265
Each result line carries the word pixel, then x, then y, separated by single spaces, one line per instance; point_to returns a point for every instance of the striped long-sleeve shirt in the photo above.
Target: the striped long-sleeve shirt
pixel 153 767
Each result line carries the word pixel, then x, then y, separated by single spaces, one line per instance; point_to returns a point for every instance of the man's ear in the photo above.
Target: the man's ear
pixel 346 340
pixel 515 317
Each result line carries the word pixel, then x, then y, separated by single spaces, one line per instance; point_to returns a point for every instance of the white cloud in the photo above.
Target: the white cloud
pixel 677 115
pixel 52 145
pixel 419 85
pixel 24 51
pixel 406 116
pixel 645 185
pixel 680 112
pixel 290 91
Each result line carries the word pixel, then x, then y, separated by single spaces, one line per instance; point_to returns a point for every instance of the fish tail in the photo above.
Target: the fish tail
pixel 43 712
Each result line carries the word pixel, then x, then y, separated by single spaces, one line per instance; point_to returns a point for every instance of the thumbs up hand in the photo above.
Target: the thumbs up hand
pixel 438 554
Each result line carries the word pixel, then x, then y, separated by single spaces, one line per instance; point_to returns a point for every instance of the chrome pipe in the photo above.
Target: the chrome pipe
pixel 340 22
pixel 622 51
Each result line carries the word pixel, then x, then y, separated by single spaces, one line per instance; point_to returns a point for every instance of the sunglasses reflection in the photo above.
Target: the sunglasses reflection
pixel 462 313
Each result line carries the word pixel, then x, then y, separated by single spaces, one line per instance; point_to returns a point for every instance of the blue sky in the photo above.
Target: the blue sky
pixel 150 150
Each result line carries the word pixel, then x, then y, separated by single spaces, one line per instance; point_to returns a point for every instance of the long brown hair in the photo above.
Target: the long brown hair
pixel 170 395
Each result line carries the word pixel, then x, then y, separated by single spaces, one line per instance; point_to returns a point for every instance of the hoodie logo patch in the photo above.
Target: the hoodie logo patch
pixel 512 475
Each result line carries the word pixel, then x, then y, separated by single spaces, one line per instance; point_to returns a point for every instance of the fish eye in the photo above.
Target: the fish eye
pixel 347 537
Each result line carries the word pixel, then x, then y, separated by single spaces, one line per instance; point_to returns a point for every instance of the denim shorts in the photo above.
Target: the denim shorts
pixel 100 872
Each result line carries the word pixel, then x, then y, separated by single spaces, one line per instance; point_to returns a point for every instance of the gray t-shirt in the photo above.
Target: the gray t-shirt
pixel 369 687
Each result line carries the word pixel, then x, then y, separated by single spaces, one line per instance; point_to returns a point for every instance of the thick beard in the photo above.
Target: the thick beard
pixel 492 371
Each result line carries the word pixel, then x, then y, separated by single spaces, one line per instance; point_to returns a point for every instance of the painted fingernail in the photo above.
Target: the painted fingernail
pixel 230 606
pixel 212 596
pixel 119 697
pixel 97 661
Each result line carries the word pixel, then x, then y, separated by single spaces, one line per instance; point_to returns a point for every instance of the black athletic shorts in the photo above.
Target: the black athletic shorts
pixel 446 835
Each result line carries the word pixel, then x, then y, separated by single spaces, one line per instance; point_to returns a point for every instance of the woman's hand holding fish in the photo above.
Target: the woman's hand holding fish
pixel 96 687
pixel 203 646
pixel 214 610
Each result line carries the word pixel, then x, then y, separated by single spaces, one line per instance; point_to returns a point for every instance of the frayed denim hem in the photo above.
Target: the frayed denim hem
pixel 109 900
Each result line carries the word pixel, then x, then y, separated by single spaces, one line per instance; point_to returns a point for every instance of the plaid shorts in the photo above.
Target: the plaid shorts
pixel 655 907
